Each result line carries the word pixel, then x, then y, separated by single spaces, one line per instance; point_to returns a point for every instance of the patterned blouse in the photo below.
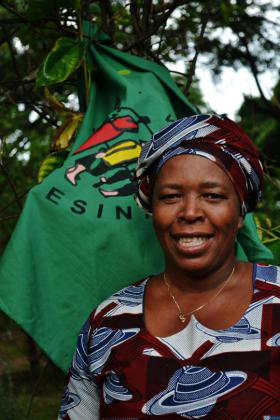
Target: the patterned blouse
pixel 120 371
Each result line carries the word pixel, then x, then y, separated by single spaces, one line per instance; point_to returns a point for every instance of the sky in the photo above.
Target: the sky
pixel 226 96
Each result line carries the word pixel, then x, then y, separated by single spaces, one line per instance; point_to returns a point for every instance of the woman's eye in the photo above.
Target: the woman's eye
pixel 169 197
pixel 214 196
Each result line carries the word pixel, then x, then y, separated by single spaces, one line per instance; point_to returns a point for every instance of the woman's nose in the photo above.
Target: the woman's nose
pixel 190 210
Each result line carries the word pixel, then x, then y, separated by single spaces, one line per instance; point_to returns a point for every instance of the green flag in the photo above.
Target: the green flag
pixel 81 236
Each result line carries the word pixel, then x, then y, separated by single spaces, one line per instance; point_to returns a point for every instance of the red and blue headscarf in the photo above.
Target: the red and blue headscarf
pixel 211 136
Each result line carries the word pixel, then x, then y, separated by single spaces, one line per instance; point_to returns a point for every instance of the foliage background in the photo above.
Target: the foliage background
pixel 42 57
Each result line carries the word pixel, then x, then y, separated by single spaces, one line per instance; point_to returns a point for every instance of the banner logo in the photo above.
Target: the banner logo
pixel 111 161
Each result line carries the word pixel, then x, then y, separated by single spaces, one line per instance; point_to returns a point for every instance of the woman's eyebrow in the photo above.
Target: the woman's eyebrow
pixel 171 185
pixel 211 184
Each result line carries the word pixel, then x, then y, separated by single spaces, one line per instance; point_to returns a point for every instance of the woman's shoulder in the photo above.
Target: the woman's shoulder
pixel 124 301
pixel 267 273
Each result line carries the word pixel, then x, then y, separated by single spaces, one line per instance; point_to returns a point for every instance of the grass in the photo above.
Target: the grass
pixel 26 394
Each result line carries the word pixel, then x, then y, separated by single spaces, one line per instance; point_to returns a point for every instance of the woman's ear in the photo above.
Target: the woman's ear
pixel 240 222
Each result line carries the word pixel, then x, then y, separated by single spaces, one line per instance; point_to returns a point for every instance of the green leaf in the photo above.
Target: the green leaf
pixel 50 163
pixel 66 132
pixel 65 57
pixel 225 10
pixel 275 248
pixel 94 9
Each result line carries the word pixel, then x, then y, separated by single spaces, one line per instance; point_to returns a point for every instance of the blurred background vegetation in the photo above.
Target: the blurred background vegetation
pixel 41 49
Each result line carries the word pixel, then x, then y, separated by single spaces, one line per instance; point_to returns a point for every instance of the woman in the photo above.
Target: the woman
pixel 201 339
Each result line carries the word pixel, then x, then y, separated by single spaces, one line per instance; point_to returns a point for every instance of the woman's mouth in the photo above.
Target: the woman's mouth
pixel 193 243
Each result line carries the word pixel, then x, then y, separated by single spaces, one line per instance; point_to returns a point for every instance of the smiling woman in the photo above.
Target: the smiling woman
pixel 201 339
pixel 196 215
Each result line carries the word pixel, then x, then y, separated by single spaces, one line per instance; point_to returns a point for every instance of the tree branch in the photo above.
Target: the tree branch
pixel 191 72
pixel 32 23
pixel 135 15
pixel 43 114
pixel 107 17
pixel 14 12
pixel 163 18
pixel 160 21
pixel 252 64
pixel 8 96
pixel 272 180
pixel 17 82
pixel 20 196
pixel 161 37
pixel 177 72
pixel 11 216
pixel 85 10
pixel 151 54
pixel 270 21
pixel 272 109
pixel 159 8
pixel 9 36
pixel 147 9
pixel 13 21
pixel 12 52
pixel 11 184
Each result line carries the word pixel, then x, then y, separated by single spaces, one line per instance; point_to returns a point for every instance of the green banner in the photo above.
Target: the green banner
pixel 80 236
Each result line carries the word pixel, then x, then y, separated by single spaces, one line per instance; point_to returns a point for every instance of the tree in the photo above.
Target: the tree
pixel 42 45
pixel 264 128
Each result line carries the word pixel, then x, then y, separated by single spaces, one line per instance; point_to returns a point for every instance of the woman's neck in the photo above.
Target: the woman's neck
pixel 199 282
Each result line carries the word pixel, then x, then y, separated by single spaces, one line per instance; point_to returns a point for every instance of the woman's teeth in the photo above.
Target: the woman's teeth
pixel 194 241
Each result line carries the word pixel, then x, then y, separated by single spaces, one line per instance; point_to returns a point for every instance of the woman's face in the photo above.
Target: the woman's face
pixel 196 214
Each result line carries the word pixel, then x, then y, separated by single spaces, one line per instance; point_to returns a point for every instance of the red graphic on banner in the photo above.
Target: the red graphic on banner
pixel 109 131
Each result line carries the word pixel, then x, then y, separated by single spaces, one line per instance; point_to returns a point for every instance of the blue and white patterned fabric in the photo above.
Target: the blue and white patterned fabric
pixel 121 372
pixel 210 136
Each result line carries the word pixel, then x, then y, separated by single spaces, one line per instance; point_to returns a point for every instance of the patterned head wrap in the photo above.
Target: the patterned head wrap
pixel 211 136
